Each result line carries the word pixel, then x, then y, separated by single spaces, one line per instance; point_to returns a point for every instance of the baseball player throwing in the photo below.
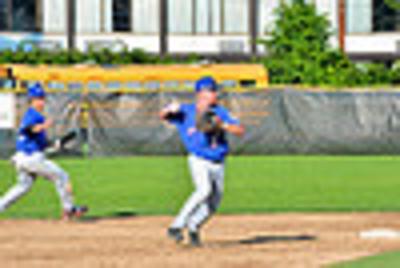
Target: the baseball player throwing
pixel 202 127
pixel 30 160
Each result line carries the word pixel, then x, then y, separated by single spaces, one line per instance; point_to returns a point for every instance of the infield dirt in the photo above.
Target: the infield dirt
pixel 273 240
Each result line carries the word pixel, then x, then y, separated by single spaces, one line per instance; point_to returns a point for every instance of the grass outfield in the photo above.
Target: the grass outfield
pixel 387 260
pixel 254 184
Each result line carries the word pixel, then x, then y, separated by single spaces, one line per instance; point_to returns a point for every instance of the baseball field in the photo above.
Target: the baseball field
pixel 278 211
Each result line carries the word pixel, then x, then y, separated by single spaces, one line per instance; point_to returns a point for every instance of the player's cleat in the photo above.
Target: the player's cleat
pixel 175 234
pixel 75 213
pixel 194 239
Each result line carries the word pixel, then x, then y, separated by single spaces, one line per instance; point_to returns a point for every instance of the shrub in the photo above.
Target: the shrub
pixel 299 52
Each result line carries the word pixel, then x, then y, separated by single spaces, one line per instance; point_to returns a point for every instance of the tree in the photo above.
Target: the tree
pixel 299 50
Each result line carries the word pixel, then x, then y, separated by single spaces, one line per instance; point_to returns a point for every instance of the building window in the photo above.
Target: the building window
pixel 359 16
pixel 146 16
pixel 107 16
pixel 138 16
pixel 385 17
pixel 236 16
pixel 366 16
pixel 208 16
pixel 3 15
pixel 180 16
pixel 121 15
pixel 20 15
pixel 55 16
pixel 203 16
pixel 267 16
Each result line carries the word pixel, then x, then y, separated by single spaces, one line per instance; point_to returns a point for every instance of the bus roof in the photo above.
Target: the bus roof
pixel 85 73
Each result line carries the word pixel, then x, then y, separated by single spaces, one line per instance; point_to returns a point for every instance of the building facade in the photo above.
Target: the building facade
pixel 209 27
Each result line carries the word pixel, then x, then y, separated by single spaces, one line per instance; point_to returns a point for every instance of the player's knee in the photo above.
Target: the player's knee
pixel 62 176
pixel 24 186
pixel 204 192
pixel 214 205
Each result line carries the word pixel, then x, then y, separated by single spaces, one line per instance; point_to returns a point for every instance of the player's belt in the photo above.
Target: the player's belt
pixel 209 160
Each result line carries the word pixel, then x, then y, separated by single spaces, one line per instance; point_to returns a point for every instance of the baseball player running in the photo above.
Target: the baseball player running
pixel 30 160
pixel 202 127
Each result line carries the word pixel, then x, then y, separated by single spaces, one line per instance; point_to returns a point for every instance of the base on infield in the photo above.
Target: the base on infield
pixel 380 234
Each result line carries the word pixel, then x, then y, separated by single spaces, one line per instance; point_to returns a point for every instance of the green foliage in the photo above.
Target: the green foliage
pixel 395 73
pixel 299 52
pixel 376 74
pixel 394 4
pixel 103 57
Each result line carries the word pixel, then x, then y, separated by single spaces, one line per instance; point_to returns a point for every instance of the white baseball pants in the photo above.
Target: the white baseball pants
pixel 208 179
pixel 28 168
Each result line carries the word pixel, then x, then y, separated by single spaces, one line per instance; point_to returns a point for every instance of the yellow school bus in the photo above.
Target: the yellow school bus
pixel 132 78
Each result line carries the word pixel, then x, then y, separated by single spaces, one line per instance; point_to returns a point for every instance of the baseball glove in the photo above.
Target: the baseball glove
pixel 59 144
pixel 208 122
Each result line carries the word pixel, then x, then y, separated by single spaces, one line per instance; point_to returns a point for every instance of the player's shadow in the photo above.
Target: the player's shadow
pixel 275 238
pixel 125 214
pixel 267 239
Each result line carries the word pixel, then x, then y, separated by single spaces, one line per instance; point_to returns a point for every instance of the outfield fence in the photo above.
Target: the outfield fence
pixel 278 122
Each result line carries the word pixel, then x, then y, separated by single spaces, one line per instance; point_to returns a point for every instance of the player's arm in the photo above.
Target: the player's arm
pixel 32 124
pixel 237 130
pixel 60 143
pixel 170 110
pixel 230 124
pixel 40 127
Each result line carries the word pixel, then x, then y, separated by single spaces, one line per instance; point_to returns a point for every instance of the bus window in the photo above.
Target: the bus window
pixel 7 84
pixel 54 85
pixel 171 84
pixel 248 83
pixel 188 84
pixel 113 85
pixel 94 85
pixel 75 86
pixel 26 83
pixel 134 85
pixel 229 84
pixel 152 85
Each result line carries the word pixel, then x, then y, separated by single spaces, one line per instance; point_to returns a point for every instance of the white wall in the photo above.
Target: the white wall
pixel 372 43
pixel 356 43
pixel 11 40
pixel 149 43
pixel 204 44
pixel 176 44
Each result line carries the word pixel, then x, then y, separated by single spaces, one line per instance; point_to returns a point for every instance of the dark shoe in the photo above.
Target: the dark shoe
pixel 75 213
pixel 194 239
pixel 175 234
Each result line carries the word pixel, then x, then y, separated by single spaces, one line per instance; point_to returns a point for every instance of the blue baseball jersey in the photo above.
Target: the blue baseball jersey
pixel 27 141
pixel 206 146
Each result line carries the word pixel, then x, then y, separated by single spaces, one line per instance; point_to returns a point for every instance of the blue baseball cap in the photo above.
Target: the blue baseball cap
pixel 36 91
pixel 206 83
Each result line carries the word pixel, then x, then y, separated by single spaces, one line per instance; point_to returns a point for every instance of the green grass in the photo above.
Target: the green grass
pixel 254 184
pixel 387 260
